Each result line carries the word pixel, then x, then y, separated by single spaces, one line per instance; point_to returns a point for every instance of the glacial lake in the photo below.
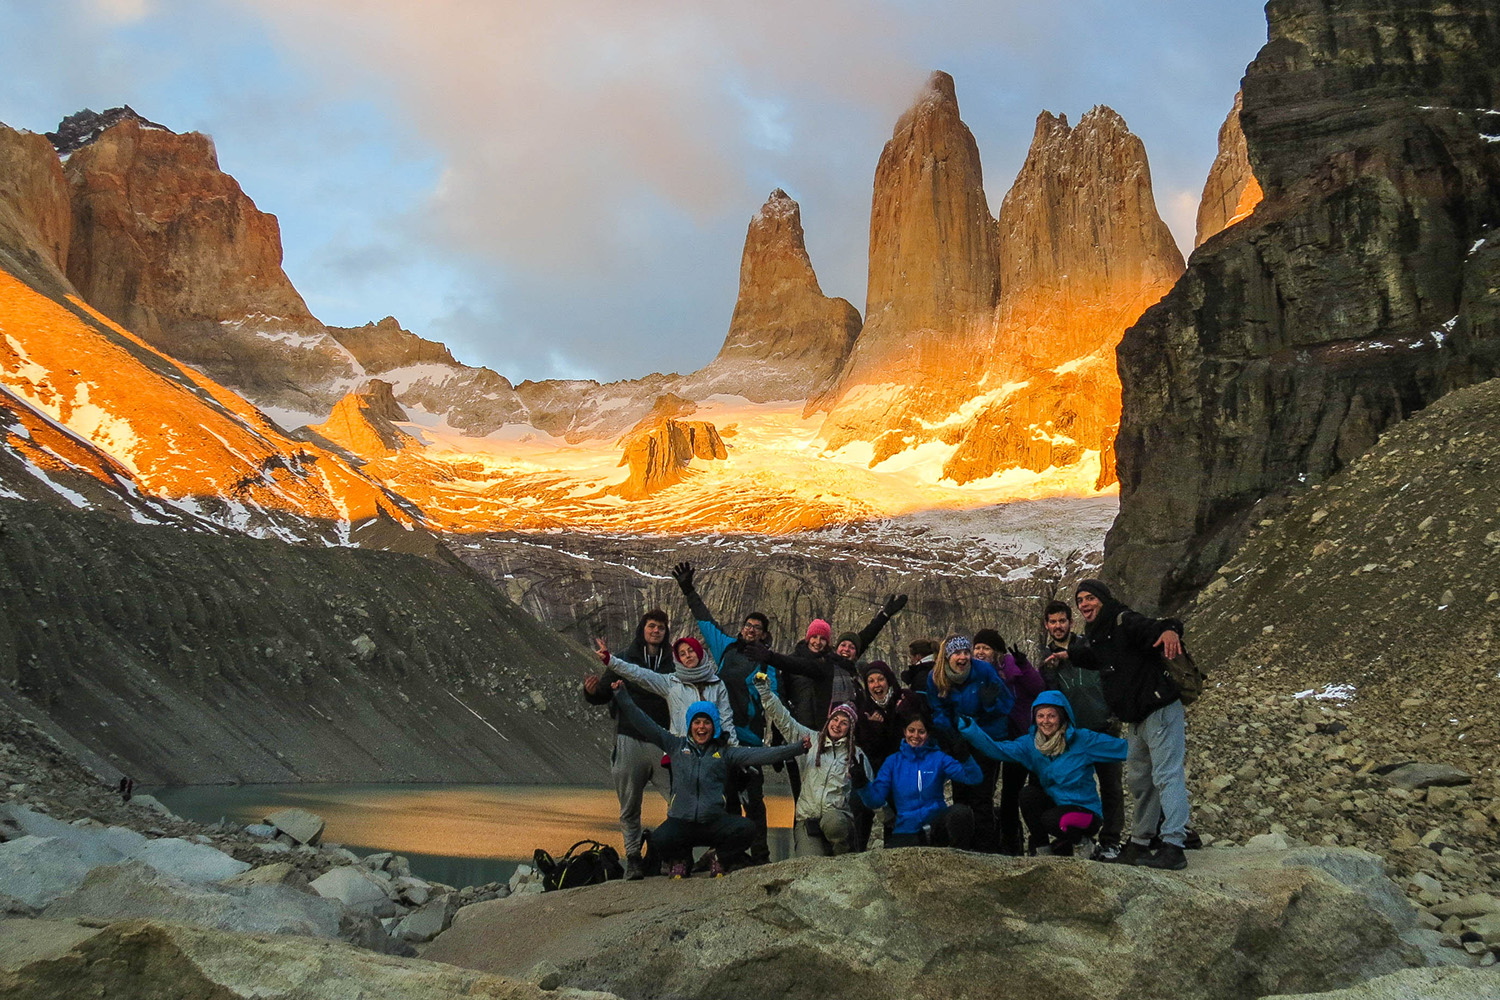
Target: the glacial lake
pixel 456 834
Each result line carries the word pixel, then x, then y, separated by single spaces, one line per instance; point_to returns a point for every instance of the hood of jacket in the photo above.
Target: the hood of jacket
pixel 917 753
pixel 707 708
pixel 636 651
pixel 1059 701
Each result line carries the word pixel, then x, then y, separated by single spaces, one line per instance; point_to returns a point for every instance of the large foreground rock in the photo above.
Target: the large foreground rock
pixel 139 960
pixel 940 923
pixel 1418 984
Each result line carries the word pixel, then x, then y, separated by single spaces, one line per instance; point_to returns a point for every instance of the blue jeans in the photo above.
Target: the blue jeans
pixel 1156 769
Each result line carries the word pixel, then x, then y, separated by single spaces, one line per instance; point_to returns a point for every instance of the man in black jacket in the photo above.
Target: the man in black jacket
pixel 1127 649
pixel 634 763
pixel 1086 694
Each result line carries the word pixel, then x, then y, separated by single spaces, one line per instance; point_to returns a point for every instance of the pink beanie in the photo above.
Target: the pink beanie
pixel 819 627
pixel 692 643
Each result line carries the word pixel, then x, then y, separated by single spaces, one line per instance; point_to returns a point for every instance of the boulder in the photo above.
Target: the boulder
pixel 188 861
pixel 932 922
pixel 427 921
pixel 134 890
pixel 1416 984
pixel 1474 905
pixel 36 870
pixel 302 826
pixel 1421 775
pixel 145 960
pixel 279 873
pixel 351 885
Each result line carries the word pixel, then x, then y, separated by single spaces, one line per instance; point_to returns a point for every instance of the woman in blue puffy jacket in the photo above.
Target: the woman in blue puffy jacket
pixel 912 779
pixel 1063 804
pixel 963 687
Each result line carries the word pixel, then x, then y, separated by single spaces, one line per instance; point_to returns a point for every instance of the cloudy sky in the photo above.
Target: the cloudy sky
pixel 561 188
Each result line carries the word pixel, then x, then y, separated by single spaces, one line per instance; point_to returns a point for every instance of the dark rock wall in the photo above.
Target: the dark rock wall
pixel 1361 289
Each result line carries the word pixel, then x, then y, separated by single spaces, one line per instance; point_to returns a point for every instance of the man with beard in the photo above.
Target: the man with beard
pixel 745 789
pixel 1127 649
pixel 634 762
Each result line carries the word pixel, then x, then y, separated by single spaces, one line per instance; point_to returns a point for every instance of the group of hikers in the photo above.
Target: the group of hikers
pixel 924 748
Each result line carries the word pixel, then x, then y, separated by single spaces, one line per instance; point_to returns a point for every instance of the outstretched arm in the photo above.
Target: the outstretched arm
pixel 776 711
pixel 986 745
pixel 875 794
pixel 726 714
pixel 888 610
pixel 747 756
pixel 642 723
pixel 649 680
pixel 715 637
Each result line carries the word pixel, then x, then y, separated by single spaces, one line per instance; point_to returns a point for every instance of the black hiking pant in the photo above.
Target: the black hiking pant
pixel 675 839
pixel 1044 819
pixel 745 794
pixel 980 798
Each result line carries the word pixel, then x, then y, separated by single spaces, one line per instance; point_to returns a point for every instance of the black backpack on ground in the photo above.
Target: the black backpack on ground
pixel 594 864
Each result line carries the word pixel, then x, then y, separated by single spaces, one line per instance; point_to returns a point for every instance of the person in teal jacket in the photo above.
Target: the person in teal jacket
pixel 912 780
pixel 1063 805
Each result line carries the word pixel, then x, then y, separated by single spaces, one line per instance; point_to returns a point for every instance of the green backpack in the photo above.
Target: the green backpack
pixel 1182 670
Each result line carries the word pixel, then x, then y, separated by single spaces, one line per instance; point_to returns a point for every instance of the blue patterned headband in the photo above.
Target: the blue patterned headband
pixel 957 643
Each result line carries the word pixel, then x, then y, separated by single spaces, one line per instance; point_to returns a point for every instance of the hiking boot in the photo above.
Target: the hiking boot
pixel 678 869
pixel 1132 854
pixel 716 868
pixel 1169 858
pixel 710 857
pixel 1107 852
pixel 1011 847
pixel 1061 849
pixel 635 869
pixel 1191 841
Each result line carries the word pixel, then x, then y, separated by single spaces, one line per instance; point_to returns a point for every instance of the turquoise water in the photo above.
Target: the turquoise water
pixel 455 834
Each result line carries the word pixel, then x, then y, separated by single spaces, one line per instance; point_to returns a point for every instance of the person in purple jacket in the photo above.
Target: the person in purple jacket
pixel 1025 683
pixel 963 687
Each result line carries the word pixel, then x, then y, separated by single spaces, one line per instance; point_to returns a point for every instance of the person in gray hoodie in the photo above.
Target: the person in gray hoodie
pixel 701 762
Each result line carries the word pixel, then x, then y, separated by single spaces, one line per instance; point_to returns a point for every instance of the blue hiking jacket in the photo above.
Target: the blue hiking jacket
pixel 963 701
pixel 912 780
pixel 1068 778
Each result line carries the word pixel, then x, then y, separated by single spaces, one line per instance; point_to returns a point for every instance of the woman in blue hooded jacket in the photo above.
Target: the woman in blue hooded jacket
pixel 912 780
pixel 1063 806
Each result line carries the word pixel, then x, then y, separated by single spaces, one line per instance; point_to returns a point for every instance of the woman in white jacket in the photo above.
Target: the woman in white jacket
pixel 694 680
pixel 825 821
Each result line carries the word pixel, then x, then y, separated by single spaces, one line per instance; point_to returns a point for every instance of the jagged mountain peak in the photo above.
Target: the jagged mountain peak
pixel 83 127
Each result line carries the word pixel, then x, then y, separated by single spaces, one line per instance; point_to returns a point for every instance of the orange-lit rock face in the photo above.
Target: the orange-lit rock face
pixel 178 434
pixel 787 340
pixel 167 245
pixel 1083 251
pixel 1231 191
pixel 363 423
pixel 933 276
pixel 35 218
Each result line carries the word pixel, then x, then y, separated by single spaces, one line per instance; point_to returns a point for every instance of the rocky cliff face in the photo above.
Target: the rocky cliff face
pixel 1083 251
pixel 660 448
pixel 934 278
pixel 786 340
pixel 362 423
pixel 1231 191
pixel 36 222
pixel 1362 288
pixel 379 347
pixel 83 127
pixel 167 245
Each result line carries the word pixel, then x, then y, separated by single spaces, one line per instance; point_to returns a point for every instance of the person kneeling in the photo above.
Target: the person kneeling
pixel 701 764
pixel 825 820
pixel 1065 808
pixel 912 779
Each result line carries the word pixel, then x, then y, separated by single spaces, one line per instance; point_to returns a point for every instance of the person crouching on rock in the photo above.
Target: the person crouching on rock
pixel 694 680
pixel 912 780
pixel 824 822
pixel 959 686
pixel 701 763
pixel 1063 805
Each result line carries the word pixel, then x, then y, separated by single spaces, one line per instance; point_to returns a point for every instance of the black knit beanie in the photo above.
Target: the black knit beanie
pixel 989 637
pixel 1095 587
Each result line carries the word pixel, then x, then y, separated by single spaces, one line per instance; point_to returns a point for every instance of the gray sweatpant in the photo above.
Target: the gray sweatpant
pixel 835 831
pixel 634 764
pixel 1156 768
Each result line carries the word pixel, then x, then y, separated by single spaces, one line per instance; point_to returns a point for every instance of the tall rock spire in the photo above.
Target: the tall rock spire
pixel 787 340
pixel 1083 251
pixel 1231 191
pixel 934 271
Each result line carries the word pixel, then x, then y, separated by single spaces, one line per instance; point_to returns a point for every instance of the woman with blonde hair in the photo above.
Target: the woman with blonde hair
pixel 963 687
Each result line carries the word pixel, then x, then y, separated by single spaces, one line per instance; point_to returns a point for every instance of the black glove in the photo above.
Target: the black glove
pixel 1021 659
pixel 857 776
pixel 893 605
pixel 758 653
pixel 683 574
pixel 988 695
pixel 958 748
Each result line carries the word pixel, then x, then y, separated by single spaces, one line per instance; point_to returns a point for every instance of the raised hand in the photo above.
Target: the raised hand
pixel 1019 654
pixel 591 683
pixel 758 653
pixel 1170 643
pixel 807 742
pixel 683 574
pixel 893 605
pixel 601 651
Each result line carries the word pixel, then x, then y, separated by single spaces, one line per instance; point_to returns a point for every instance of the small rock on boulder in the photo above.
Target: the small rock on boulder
pixel 351 885
pixel 299 824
